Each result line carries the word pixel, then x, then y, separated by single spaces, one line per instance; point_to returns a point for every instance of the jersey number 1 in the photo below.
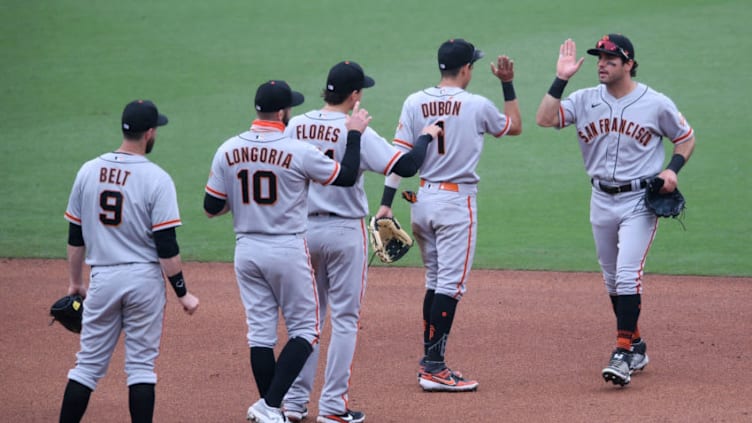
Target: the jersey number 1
pixel 440 141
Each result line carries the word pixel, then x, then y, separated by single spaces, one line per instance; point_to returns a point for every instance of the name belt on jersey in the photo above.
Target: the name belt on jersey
pixel 259 154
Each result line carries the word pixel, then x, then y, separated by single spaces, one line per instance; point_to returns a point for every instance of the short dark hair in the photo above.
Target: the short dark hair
pixel 335 99
pixel 451 73
pixel 632 72
pixel 133 135
pixel 268 115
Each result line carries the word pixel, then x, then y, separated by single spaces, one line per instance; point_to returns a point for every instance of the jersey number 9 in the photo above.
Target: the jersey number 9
pixel 111 203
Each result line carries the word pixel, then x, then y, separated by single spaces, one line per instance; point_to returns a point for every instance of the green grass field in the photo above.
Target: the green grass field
pixel 69 67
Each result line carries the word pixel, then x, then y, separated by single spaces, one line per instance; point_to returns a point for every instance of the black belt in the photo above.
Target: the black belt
pixel 616 189
pixel 324 214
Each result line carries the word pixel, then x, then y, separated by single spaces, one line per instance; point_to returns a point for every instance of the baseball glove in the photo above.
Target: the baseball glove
pixel 389 241
pixel 69 311
pixel 670 204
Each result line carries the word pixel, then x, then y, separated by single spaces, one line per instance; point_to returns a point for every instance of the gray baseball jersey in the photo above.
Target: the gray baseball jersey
pixel 622 144
pixel 326 131
pixel 338 242
pixel 621 139
pixel 119 200
pixel 447 197
pixel 466 118
pixel 264 175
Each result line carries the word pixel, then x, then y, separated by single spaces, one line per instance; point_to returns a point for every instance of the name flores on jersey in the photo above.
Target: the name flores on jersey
pixel 609 125
pixel 317 132
pixel 259 155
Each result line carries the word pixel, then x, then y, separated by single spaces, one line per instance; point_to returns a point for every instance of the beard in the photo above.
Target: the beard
pixel 286 116
pixel 150 144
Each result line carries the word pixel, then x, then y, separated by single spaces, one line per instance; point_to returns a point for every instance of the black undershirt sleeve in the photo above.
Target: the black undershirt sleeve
pixel 350 164
pixel 167 243
pixel 388 196
pixel 212 204
pixel 409 163
pixel 75 235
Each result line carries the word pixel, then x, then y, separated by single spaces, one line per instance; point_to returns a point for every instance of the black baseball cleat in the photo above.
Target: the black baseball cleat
pixel 617 371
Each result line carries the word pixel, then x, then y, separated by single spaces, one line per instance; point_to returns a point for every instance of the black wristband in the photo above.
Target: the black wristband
pixel 388 196
pixel 557 88
pixel 508 89
pixel 676 163
pixel 178 284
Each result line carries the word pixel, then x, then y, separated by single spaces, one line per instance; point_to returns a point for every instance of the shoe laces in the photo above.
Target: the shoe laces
pixel 449 373
pixel 618 358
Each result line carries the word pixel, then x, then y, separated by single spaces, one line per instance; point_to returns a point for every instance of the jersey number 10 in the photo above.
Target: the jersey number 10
pixel 261 178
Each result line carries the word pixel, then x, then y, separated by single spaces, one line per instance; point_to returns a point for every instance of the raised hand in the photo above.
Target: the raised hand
pixel 568 65
pixel 504 69
pixel 358 120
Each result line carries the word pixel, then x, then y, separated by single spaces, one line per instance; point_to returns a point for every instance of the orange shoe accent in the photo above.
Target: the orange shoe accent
pixel 446 380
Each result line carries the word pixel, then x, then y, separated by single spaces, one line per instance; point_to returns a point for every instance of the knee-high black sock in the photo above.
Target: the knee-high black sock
pixel 442 316
pixel 627 314
pixel 262 366
pixel 75 401
pixel 290 363
pixel 141 402
pixel 427 304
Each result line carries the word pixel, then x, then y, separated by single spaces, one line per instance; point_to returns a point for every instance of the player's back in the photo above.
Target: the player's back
pixel 326 131
pixel 465 117
pixel 119 200
pixel 265 177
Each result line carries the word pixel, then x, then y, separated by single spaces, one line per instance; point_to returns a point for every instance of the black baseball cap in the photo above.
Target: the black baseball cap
pixel 615 45
pixel 346 77
pixel 141 115
pixel 275 95
pixel 457 52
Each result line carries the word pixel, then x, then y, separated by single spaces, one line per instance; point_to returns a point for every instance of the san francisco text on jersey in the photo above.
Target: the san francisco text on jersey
pixel 608 125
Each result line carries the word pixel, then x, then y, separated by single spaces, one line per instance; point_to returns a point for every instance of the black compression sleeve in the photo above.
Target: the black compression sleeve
pixel 557 88
pixel 508 89
pixel 676 163
pixel 388 197
pixel 167 243
pixel 75 235
pixel 409 163
pixel 178 284
pixel 350 163
pixel 213 205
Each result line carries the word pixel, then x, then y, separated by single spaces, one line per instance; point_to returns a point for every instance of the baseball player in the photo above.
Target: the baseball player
pixel 337 237
pixel 123 212
pixel 444 217
pixel 620 126
pixel 262 177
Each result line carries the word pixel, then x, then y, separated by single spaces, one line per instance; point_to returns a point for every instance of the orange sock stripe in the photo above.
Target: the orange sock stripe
pixel 624 339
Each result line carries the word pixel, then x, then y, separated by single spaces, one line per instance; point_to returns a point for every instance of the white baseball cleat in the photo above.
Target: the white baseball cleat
pixel 259 412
